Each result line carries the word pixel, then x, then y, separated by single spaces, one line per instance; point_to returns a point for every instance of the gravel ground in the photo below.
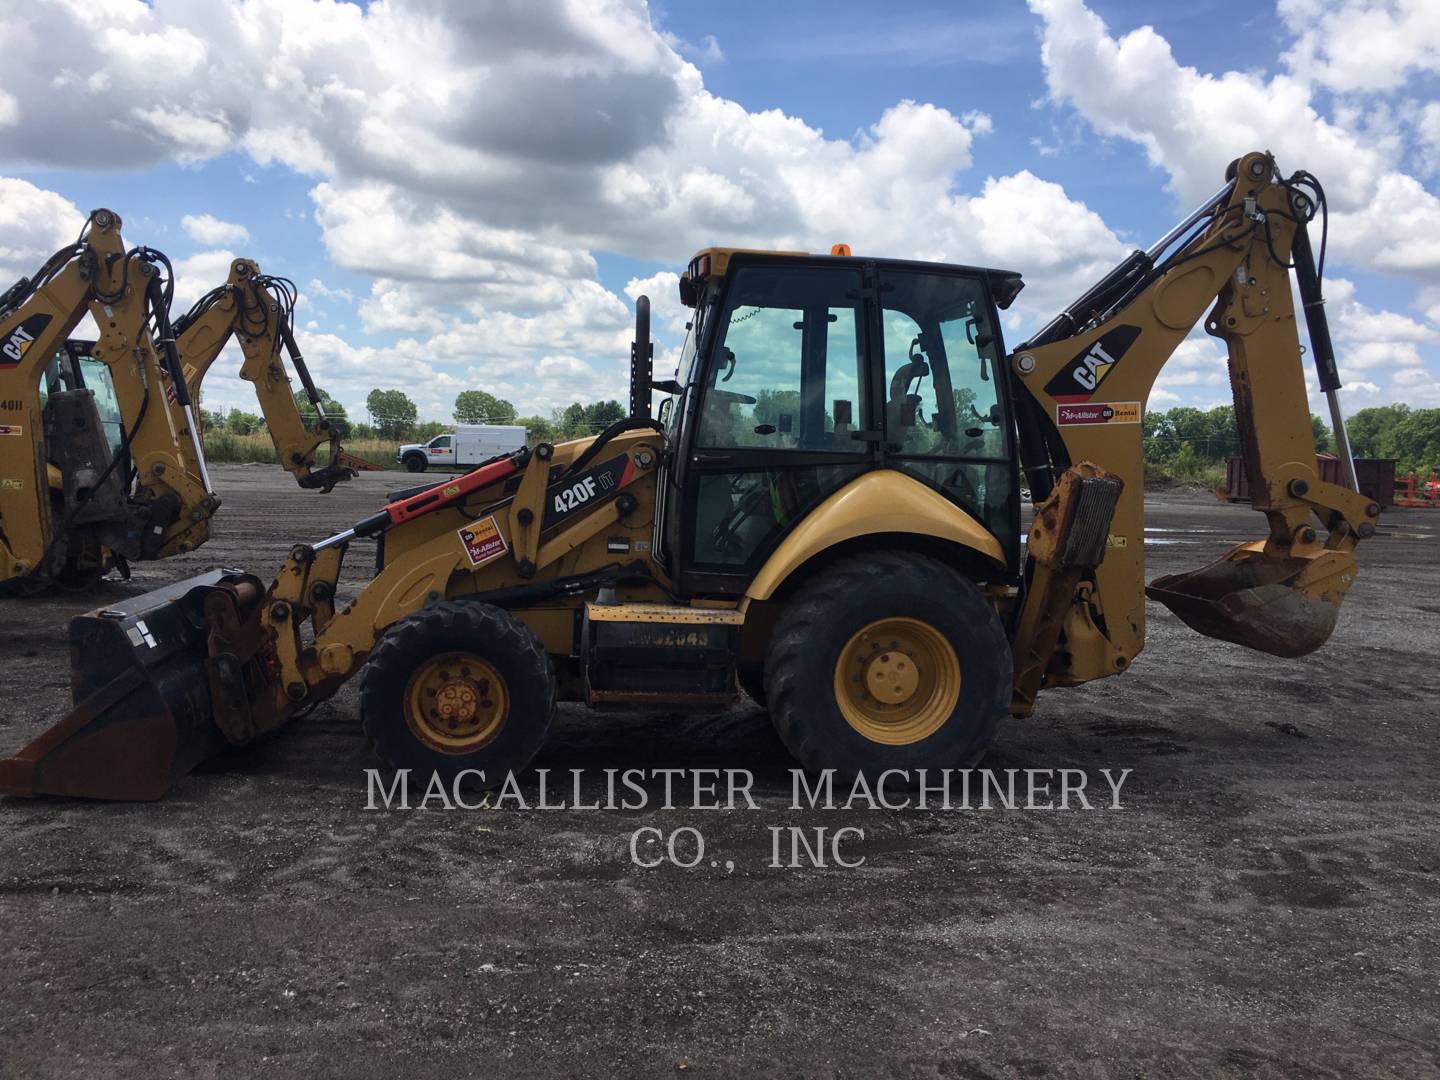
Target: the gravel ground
pixel 1265 902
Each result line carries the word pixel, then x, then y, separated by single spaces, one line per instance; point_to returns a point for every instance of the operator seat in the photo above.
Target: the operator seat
pixel 900 409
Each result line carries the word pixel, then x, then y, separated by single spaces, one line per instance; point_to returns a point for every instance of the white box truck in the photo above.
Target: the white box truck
pixel 467 446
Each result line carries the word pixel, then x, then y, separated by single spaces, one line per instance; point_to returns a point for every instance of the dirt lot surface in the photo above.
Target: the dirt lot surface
pixel 1265 903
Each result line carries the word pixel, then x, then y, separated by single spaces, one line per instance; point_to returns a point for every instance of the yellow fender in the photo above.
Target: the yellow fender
pixel 882 501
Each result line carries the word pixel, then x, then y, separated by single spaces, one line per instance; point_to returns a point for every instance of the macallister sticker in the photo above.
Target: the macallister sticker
pixel 1113 412
pixel 11 429
pixel 482 541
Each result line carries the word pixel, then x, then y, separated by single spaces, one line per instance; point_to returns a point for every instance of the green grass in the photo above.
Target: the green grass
pixel 227 448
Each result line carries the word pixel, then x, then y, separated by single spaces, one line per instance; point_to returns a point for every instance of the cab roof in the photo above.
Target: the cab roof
pixel 714 262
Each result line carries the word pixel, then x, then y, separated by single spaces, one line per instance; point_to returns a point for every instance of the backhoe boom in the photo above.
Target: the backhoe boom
pixel 258 310
pixel 1087 377
pixel 74 511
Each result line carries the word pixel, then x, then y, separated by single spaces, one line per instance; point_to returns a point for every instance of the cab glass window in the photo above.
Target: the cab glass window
pixel 97 378
pixel 441 442
pixel 739 514
pixel 945 415
pixel 786 369
pixel 941 378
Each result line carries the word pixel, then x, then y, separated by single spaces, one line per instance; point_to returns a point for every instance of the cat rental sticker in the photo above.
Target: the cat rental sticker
pixel 482 541
pixel 1115 412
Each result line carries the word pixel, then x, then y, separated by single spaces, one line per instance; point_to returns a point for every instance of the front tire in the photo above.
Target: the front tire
pixel 415 463
pixel 888 661
pixel 458 686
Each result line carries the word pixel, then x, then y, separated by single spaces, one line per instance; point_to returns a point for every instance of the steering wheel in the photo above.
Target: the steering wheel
pixel 961 481
pixel 725 535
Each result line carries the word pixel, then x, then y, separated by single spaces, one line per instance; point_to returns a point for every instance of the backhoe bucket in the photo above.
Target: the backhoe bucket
pixel 1285 606
pixel 140 680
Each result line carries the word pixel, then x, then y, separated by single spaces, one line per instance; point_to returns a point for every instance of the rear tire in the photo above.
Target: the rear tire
pixel 888 661
pixel 415 463
pixel 458 686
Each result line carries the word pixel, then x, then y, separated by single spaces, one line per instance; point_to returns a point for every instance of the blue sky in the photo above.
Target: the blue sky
pixel 470 196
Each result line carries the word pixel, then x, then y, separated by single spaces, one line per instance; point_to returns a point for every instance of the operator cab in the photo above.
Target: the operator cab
pixel 75 368
pixel 801 372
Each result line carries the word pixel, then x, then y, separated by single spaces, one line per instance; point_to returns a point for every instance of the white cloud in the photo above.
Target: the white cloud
pixel 1197 374
pixel 209 230
pixel 1192 124
pixel 1427 131
pixel 1362 45
pixel 34 224
pixel 200 273
pixel 316 287
pixel 705 52
pixel 470 161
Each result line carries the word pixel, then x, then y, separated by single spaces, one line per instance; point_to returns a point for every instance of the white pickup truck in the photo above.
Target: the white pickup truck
pixel 466 447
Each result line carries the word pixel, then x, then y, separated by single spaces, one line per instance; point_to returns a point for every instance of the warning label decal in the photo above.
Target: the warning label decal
pixel 1114 412
pixel 11 429
pixel 482 541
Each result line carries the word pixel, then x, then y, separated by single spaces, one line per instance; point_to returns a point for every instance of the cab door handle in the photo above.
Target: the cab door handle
pixel 702 458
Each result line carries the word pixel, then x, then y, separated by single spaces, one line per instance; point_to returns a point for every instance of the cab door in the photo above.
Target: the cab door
pixel 947 417
pixel 777 416
pixel 441 450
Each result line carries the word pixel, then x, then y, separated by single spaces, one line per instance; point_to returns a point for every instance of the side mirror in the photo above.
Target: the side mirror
pixel 665 407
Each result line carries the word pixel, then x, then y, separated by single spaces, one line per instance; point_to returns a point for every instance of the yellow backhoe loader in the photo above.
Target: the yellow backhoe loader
pixel 254 308
pixel 827 513
pixel 68 504
pixel 259 310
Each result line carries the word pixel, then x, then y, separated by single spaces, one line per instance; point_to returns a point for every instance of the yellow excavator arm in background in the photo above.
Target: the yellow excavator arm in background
pixel 1087 377
pixel 259 311
pixel 169 507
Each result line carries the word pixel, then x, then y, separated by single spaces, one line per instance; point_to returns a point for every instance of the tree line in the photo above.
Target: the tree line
pixel 392 415
pixel 1183 441
pixel 1187 442
pixel 1411 436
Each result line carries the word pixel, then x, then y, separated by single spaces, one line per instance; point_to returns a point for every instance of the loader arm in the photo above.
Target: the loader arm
pixel 165 679
pixel 1083 385
pixel 169 506
pixel 258 311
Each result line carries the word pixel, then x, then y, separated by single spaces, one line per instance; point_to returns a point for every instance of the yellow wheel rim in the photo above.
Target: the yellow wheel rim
pixel 897 681
pixel 456 703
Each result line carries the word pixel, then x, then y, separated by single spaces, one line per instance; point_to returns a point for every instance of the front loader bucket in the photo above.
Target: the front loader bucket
pixel 1285 606
pixel 143 713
